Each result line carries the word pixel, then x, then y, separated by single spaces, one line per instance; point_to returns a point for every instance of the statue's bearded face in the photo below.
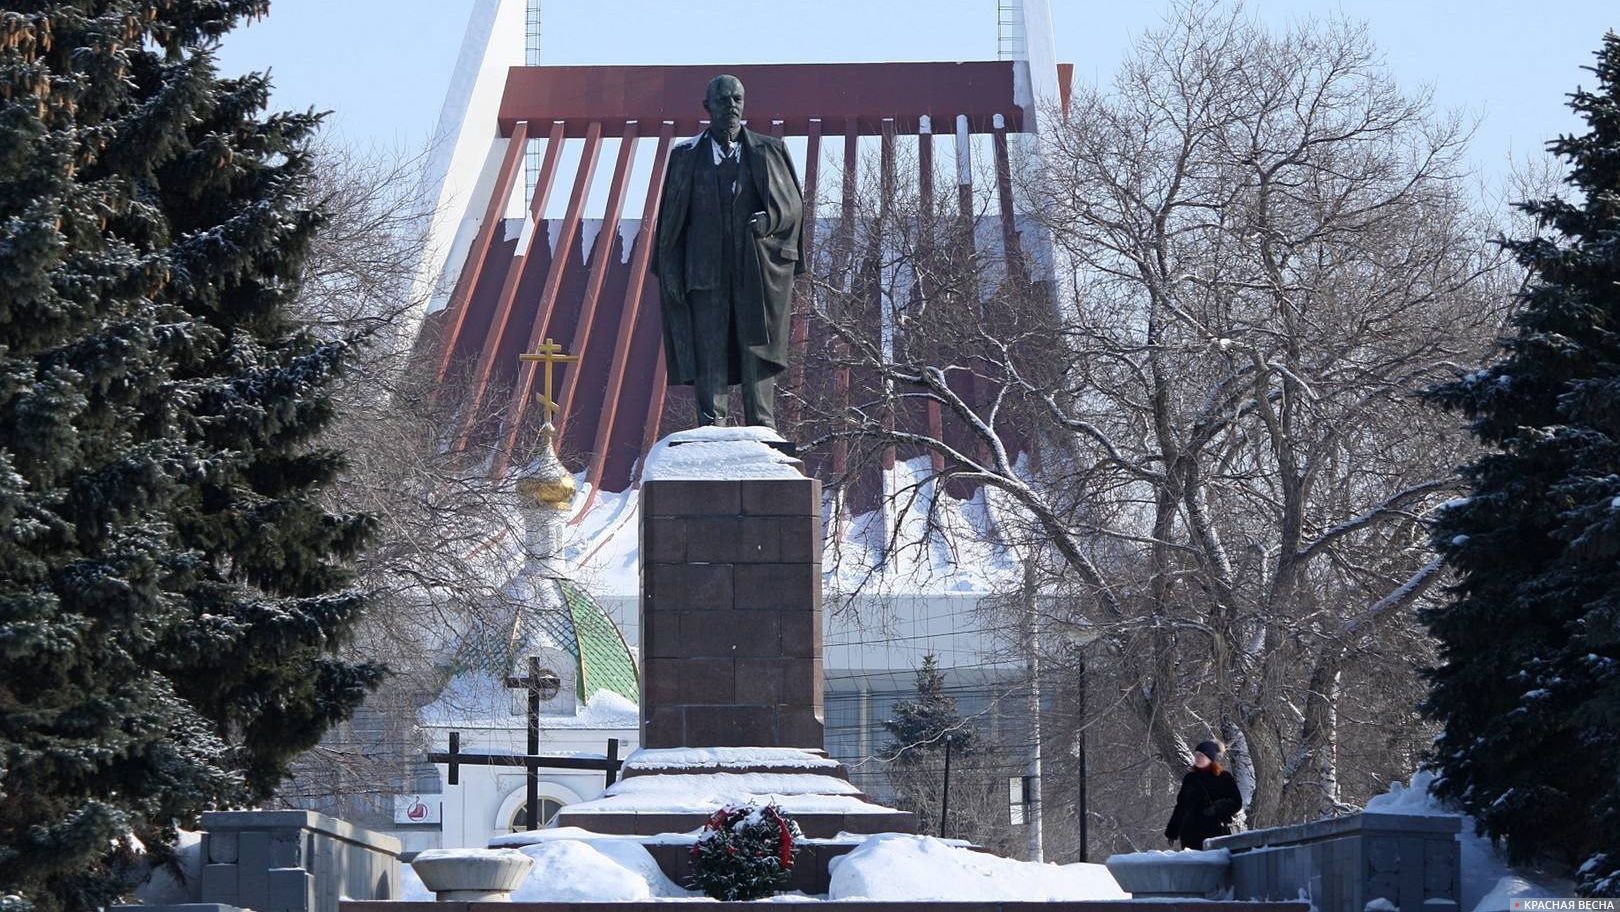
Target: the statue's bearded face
pixel 724 102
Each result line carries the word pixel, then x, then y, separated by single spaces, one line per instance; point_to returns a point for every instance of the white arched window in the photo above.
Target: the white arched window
pixel 520 817
pixel 511 817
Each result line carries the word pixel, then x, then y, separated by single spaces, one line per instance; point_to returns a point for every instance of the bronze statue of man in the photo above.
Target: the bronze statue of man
pixel 729 245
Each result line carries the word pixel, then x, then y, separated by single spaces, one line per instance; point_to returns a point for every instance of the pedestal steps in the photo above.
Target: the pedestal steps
pixel 667 794
pixel 676 761
pixel 655 797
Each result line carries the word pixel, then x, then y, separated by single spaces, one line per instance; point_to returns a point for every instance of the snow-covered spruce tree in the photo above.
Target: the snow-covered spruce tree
pixel 170 585
pixel 916 752
pixel 920 726
pixel 1528 686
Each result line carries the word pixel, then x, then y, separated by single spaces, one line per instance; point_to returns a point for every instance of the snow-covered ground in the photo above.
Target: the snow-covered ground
pixel 888 867
pixel 1488 883
pixel 895 867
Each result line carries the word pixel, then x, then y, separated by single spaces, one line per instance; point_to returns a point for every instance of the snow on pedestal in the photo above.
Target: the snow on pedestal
pixel 720 453
pixel 472 875
pixel 1171 874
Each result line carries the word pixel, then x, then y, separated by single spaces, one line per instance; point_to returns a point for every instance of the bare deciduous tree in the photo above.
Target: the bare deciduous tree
pixel 446 526
pixel 1202 424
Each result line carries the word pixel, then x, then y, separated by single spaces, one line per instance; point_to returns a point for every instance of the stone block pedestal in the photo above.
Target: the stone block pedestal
pixel 731 613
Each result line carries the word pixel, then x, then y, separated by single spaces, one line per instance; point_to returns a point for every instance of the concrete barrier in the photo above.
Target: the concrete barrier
pixel 294 861
pixel 1343 863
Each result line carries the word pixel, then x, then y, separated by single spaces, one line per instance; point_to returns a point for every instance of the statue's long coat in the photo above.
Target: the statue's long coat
pixel 765 297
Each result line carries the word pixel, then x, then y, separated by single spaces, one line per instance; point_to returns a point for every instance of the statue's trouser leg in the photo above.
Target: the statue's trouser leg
pixel 758 394
pixel 711 328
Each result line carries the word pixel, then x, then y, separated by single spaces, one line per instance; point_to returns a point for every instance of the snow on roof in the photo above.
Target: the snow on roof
pixel 957 553
pixel 474 700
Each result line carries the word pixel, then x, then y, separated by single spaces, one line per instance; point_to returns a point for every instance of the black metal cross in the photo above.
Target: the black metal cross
pixel 538 682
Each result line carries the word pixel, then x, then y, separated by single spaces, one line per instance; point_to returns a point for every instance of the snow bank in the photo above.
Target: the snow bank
pixel 579 871
pixel 411 888
pixel 895 867
pixel 574 865
pixel 1488 883
pixel 161 887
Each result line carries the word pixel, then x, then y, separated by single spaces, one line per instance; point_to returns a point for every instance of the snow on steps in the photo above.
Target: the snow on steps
pixel 674 790
pixel 700 760
pixel 667 795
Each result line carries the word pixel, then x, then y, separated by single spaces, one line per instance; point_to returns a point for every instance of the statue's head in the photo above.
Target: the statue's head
pixel 724 102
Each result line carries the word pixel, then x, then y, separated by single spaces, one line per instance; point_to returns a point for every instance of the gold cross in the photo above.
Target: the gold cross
pixel 548 353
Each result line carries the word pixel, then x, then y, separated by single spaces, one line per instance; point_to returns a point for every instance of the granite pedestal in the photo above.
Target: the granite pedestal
pixel 731 613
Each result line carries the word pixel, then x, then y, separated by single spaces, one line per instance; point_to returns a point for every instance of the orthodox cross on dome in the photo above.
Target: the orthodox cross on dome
pixel 548 353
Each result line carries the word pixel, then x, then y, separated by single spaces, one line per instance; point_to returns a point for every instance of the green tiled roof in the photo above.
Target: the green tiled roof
pixel 604 658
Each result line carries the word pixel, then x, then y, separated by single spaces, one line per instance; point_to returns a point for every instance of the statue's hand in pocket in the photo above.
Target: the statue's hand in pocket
pixel 757 222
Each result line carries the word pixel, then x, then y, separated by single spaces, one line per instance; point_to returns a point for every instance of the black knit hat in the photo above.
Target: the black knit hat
pixel 1210 749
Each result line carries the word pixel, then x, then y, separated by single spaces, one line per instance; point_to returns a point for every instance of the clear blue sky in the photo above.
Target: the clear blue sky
pixel 381 66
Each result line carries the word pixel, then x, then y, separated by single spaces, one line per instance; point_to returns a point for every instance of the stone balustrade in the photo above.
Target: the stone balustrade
pixel 1343 863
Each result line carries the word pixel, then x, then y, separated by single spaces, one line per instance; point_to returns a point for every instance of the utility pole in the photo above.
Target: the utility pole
pixel 1032 669
pixel 945 790
pixel 1079 637
pixel 1080 748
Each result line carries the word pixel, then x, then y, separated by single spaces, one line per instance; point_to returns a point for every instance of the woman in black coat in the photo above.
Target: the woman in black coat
pixel 1207 802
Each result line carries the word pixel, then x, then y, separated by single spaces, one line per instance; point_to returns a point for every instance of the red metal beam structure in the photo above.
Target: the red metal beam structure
pixel 467 281
pixel 599 263
pixel 885 303
pixel 514 274
pixel 845 269
pixel 630 310
pixel 804 291
pixel 548 297
pixel 612 415
pixel 925 195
